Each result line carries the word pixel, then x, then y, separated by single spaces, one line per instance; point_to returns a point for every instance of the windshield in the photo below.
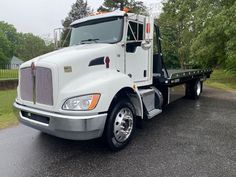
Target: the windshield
pixel 107 30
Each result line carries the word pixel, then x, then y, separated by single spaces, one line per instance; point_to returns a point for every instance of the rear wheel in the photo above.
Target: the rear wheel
pixel 120 125
pixel 194 89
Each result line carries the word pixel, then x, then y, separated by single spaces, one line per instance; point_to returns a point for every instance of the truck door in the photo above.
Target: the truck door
pixel 138 52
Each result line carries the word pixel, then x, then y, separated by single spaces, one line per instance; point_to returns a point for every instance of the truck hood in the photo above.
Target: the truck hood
pixel 71 63
pixel 73 55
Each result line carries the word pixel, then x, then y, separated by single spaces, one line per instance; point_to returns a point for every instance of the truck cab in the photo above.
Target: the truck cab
pixel 106 82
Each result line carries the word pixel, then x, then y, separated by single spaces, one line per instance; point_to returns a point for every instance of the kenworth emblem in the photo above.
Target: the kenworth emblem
pixel 33 68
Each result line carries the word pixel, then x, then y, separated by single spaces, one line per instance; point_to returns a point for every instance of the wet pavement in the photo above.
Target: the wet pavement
pixel 190 138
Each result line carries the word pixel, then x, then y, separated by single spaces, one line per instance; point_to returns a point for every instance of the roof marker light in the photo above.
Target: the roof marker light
pixel 126 9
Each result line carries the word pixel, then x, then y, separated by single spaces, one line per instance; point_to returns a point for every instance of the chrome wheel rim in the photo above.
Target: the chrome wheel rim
pixel 198 88
pixel 123 124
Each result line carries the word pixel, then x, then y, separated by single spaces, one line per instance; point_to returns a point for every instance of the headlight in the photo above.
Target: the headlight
pixel 81 103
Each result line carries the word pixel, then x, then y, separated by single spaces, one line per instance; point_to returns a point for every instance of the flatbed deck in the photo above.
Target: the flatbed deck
pixel 178 73
pixel 180 76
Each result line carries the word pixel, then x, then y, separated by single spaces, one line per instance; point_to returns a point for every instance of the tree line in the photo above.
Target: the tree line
pixel 23 45
pixel 201 33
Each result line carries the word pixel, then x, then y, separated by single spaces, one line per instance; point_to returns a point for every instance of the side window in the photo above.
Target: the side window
pixel 134 36
pixel 140 31
pixel 135 31
pixel 132 31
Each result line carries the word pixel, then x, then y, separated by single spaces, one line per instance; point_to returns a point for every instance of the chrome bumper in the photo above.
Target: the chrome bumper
pixel 63 126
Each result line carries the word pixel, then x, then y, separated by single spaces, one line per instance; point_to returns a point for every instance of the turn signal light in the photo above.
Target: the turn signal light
pixel 126 9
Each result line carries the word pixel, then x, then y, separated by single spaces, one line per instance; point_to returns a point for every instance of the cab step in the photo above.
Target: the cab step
pixel 150 99
pixel 154 113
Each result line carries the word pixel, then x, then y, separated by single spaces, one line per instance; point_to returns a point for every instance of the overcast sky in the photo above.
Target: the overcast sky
pixel 42 16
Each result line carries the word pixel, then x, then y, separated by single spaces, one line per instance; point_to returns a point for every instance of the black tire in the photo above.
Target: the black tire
pixel 112 141
pixel 193 89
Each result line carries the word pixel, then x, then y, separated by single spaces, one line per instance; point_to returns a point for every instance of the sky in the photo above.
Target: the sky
pixel 41 17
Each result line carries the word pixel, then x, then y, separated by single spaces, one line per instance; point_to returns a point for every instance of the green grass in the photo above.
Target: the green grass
pixel 8 74
pixel 222 80
pixel 7 117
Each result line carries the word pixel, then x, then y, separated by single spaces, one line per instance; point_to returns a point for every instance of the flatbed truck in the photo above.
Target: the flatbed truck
pixel 105 83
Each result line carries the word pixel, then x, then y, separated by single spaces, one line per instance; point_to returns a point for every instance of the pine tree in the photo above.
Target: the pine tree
pixel 134 6
pixel 79 10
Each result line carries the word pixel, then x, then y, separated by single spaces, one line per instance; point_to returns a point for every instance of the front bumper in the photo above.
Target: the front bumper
pixel 63 126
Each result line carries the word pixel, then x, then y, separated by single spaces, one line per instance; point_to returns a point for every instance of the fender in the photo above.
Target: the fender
pixel 106 82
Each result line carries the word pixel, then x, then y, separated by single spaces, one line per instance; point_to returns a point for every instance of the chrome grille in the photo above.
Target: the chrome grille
pixel 43 92
pixel 43 85
pixel 26 84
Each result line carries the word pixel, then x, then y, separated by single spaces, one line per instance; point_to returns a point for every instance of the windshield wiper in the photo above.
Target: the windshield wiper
pixel 89 40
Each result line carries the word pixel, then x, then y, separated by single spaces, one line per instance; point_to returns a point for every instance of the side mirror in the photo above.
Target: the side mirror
pixel 57 37
pixel 146 45
pixel 58 41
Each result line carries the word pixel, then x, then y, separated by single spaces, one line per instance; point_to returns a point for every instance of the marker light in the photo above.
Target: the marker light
pixel 126 9
pixel 107 62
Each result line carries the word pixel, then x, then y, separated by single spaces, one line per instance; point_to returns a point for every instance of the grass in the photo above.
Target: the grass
pixel 8 74
pixel 7 117
pixel 222 80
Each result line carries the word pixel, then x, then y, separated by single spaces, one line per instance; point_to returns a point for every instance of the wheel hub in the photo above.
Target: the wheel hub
pixel 123 124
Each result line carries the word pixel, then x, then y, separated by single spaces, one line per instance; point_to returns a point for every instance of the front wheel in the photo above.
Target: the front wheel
pixel 120 125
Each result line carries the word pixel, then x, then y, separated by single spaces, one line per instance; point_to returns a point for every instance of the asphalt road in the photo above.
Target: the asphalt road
pixel 190 138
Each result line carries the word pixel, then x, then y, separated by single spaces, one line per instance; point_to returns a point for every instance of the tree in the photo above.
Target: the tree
pixel 31 46
pixel 8 42
pixel 215 44
pixel 25 46
pixel 79 10
pixel 5 49
pixel 134 6
pixel 199 32
pixel 176 24
pixel 231 36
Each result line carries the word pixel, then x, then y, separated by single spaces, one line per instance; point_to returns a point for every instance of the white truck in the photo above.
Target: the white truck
pixel 109 79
